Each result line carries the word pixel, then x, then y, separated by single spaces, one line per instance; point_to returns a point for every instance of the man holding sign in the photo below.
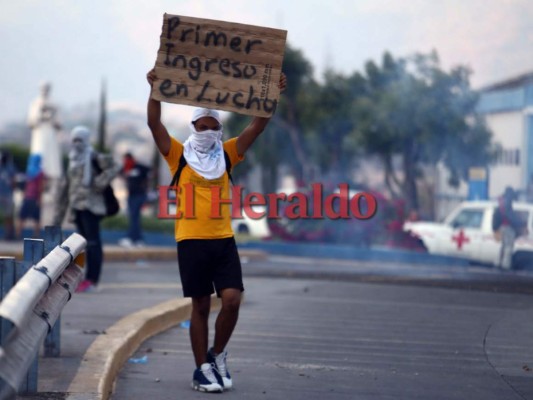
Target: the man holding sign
pixel 207 253
pixel 193 64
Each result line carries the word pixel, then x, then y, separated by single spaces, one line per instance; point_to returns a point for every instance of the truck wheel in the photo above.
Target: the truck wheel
pixel 243 229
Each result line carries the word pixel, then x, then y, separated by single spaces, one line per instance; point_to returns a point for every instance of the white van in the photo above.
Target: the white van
pixel 467 233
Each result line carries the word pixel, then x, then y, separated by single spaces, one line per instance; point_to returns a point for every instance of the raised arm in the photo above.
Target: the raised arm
pixel 257 125
pixel 159 132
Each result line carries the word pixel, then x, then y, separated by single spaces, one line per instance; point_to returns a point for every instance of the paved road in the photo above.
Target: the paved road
pixel 475 277
pixel 334 336
pixel 331 339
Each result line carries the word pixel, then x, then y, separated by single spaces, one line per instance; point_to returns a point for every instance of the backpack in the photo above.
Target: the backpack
pixel 112 205
pixel 183 163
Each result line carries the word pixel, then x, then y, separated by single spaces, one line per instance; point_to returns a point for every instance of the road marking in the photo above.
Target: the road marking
pixel 140 285
pixel 318 261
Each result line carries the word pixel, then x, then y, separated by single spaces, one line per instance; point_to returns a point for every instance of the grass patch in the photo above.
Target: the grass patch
pixel 149 224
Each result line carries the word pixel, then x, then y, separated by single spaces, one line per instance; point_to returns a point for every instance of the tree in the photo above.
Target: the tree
pixel 19 153
pixel 332 124
pixel 283 139
pixel 102 120
pixel 415 109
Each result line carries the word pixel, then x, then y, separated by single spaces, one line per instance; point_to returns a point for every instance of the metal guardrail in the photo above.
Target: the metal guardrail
pixel 33 293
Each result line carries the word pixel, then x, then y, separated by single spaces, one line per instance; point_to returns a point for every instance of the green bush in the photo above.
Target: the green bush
pixel 149 224
pixel 20 155
pixel 153 224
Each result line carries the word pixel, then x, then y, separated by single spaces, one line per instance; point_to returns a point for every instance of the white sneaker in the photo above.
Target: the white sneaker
pixel 204 379
pixel 221 369
pixel 125 242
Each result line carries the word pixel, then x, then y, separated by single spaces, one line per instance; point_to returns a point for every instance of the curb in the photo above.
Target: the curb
pixel 165 254
pixel 105 357
pixel 346 252
pixel 147 254
pixel 116 254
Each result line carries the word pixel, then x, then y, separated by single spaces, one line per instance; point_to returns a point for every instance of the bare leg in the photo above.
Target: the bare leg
pixel 18 228
pixel 227 318
pixel 36 229
pixel 506 255
pixel 199 329
pixel 9 228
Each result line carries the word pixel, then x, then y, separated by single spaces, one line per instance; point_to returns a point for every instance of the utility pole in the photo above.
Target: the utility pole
pixel 102 119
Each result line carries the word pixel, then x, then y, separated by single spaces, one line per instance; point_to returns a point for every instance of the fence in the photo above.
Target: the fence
pixel 33 293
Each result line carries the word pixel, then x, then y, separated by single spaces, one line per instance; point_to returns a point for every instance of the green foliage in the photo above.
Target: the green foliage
pixel 282 140
pixel 415 109
pixel 149 224
pixel 19 153
pixel 407 107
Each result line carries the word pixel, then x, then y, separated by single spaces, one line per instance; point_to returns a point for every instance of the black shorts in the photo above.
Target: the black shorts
pixel 207 262
pixel 30 210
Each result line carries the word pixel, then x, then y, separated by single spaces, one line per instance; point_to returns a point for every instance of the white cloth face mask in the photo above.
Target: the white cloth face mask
pixel 205 140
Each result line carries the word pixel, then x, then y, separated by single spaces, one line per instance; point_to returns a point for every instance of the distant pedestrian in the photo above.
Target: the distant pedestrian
pixel 507 226
pixel 7 184
pixel 33 190
pixel 136 175
pixel 81 194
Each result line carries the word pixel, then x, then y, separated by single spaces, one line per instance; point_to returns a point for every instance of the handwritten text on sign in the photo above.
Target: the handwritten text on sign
pixel 217 64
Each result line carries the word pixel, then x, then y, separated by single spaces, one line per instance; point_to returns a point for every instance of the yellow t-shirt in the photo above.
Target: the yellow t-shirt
pixel 202 225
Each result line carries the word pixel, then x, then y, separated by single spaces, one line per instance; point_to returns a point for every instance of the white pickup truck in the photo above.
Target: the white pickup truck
pixel 467 233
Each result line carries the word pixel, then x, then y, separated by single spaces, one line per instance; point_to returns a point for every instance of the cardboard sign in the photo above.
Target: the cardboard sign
pixel 221 65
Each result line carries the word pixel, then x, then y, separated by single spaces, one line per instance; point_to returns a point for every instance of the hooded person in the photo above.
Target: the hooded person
pixel 207 253
pixel 81 196
pixel 33 168
pixel 81 152
pixel 128 162
pixel 203 149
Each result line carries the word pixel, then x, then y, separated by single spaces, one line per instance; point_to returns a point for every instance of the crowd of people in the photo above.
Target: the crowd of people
pixel 80 195
pixel 34 183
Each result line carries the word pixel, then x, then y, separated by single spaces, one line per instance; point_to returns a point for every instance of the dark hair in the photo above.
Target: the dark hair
pixel 509 194
pixel 5 157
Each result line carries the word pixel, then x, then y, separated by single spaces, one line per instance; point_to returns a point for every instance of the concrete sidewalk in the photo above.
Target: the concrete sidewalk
pixel 114 253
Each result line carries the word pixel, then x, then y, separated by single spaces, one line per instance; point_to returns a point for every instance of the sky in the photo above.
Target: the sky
pixel 75 44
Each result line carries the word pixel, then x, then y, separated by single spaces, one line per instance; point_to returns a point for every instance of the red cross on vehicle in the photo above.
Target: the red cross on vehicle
pixel 460 239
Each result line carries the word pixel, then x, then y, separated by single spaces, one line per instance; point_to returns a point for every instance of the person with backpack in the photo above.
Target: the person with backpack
pixel 507 226
pixel 207 252
pixel 82 194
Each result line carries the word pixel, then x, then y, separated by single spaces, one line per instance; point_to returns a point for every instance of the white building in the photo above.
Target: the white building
pixel 508 110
